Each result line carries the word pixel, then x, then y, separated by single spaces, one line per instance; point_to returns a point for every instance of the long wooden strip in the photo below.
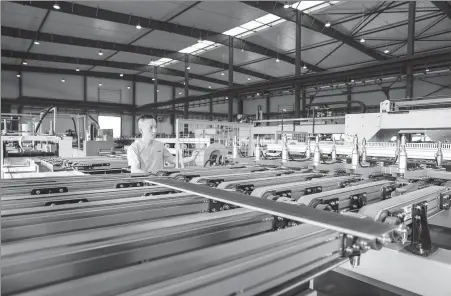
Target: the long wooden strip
pixel 361 228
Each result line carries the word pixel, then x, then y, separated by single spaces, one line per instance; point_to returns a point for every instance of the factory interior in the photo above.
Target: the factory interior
pixel 294 148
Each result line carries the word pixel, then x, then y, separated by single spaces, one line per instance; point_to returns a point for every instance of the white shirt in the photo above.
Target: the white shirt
pixel 148 157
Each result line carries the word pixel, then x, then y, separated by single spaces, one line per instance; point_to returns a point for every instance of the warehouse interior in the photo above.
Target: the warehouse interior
pixel 295 148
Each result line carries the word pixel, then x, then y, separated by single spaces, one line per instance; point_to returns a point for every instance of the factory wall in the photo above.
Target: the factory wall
pixel 10 85
pixel 373 94
pixel 50 86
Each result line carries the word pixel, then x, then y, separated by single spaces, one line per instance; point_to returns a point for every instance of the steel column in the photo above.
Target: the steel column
pixel 134 105
pixel 304 101
pixel 172 116
pixel 268 106
pixel 297 71
pixel 211 106
pixel 410 48
pixel 155 88
pixel 349 99
pixel 230 100
pixel 20 84
pixel 186 106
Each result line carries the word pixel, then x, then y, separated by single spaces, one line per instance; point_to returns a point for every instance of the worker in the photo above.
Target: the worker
pixel 146 155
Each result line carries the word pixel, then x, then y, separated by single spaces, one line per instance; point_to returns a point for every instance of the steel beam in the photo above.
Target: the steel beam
pixel 156 52
pixel 9 67
pixel 297 70
pixel 103 63
pixel 444 6
pixel 410 48
pixel 62 103
pixel 308 21
pixel 230 99
pixel 127 19
pixel 390 67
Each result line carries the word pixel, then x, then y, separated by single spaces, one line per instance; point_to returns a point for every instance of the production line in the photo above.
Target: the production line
pixel 49 249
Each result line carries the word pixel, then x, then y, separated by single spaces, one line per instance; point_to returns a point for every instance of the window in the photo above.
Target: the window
pixel 111 122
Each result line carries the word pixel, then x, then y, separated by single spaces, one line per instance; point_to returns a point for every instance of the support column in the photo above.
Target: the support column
pixel 297 71
pixel 211 106
pixel 186 105
pixel 134 106
pixel 172 116
pixel 155 88
pixel 410 48
pixel 348 99
pixel 303 102
pixel 20 84
pixel 240 106
pixel 230 100
pixel 268 106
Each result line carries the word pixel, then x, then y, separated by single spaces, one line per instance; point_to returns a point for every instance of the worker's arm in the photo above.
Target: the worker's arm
pixel 133 161
pixel 168 157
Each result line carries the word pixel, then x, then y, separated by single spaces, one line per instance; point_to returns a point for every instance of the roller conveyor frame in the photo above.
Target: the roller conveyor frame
pixel 27 226
pixel 347 199
pixel 122 246
pixel 82 197
pixel 270 256
pixel 298 189
pixel 214 180
pixel 247 186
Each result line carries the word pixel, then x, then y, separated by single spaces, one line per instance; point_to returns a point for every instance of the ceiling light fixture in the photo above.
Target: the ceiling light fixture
pixel 158 90
pixel 24 63
pixel 128 87
pixel 222 73
pixel 327 24
pixel 209 86
pixel 386 51
pixel 180 92
pixel 78 69
pixel 352 80
pixel 100 84
pixel 187 68
pixel 56 5
pixel 122 75
pixel 138 26
pixel 304 67
pixel 362 40
pixel 427 69
pixel 36 42
pixel 18 75
pixel 277 60
pixel 258 94
pixel 153 79
pixel 63 80
pixel 286 5
pixel 100 53
pixel 248 78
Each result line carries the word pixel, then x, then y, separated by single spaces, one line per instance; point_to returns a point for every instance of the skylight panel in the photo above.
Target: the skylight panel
pixel 251 25
pixel 321 6
pixel 303 5
pixel 267 19
pixel 235 31
pixel 189 49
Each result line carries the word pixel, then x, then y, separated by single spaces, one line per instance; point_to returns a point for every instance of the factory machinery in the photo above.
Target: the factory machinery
pixel 225 230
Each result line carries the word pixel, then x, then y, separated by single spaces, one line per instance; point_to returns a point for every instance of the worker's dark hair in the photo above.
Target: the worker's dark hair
pixel 144 117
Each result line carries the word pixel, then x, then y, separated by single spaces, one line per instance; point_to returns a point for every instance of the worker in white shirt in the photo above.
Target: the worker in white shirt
pixel 146 155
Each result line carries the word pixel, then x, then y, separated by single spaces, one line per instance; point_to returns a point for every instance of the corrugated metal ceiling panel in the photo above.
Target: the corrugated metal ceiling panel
pixel 20 16
pixel 78 26
pixel 70 50
pixel 218 16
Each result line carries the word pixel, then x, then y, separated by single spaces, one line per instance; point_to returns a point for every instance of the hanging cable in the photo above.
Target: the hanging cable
pixel 42 118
